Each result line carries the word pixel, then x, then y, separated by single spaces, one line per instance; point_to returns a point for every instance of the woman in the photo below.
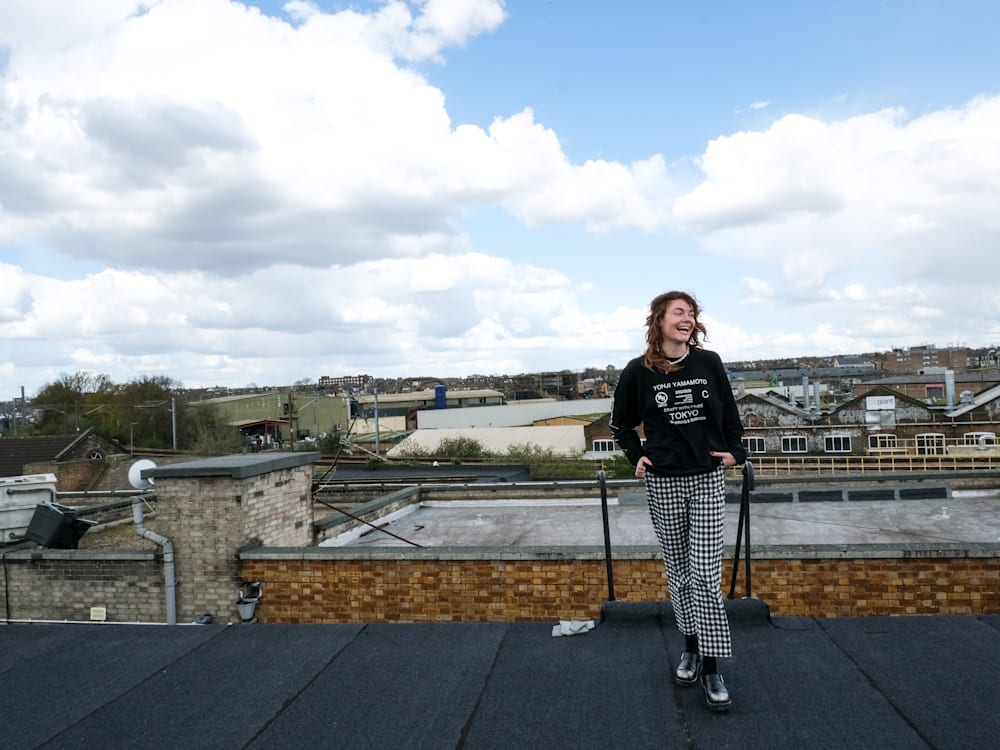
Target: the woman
pixel 681 396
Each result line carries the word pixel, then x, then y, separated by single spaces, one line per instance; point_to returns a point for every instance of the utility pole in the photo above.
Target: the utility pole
pixel 378 452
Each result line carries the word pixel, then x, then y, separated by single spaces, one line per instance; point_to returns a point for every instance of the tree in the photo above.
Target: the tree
pixel 141 411
pixel 207 434
pixel 66 405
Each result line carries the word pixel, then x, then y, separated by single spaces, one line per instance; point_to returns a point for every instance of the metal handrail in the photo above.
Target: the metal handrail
pixel 602 479
pixel 743 531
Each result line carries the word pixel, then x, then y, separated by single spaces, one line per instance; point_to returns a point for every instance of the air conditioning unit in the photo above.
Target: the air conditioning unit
pixel 19 496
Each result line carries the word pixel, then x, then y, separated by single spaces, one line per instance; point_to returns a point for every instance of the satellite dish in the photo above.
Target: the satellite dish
pixel 135 474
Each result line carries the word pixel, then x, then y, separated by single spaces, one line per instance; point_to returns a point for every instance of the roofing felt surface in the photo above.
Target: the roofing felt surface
pixel 797 682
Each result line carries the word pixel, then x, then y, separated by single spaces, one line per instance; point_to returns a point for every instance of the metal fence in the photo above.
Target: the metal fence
pixel 874 464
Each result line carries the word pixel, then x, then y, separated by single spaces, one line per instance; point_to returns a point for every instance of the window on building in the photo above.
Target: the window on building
pixel 837 444
pixel 930 444
pixel 934 391
pixel 882 442
pixel 604 446
pixel 754 445
pixel 793 444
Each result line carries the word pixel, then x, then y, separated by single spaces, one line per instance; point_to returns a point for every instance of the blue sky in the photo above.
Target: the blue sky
pixel 226 193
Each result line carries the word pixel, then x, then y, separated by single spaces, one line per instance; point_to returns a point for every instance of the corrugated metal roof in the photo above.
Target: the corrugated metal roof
pixel 983 398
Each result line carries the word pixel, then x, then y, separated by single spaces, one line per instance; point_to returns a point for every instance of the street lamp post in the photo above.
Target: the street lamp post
pixel 173 415
pixel 378 451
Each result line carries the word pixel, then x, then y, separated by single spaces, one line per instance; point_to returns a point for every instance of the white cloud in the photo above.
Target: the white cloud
pixel 452 312
pixel 876 189
pixel 207 135
pixel 878 222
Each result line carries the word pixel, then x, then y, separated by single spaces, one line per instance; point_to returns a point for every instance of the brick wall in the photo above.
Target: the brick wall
pixel 298 588
pixel 338 589
pixel 65 584
pixel 73 475
pixel 853 587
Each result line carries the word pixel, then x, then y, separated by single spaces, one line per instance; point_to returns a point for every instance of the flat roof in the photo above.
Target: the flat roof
pixel 796 682
pixel 943 517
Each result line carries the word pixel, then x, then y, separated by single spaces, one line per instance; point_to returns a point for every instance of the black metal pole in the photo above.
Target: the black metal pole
pixel 748 485
pixel 743 530
pixel 602 478
pixel 736 554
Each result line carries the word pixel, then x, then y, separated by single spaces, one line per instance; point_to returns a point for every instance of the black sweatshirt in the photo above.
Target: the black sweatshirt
pixel 684 414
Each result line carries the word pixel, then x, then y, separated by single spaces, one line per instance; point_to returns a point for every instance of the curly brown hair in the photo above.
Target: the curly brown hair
pixel 654 358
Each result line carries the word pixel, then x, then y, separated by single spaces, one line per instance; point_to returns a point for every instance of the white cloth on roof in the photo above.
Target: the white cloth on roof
pixel 572 627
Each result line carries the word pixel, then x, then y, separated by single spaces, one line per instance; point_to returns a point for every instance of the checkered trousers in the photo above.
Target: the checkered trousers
pixel 688 514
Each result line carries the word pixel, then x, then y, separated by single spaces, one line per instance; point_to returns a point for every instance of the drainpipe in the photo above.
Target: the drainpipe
pixel 168 559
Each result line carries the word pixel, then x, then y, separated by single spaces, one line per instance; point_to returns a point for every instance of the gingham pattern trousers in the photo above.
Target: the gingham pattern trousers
pixel 688 514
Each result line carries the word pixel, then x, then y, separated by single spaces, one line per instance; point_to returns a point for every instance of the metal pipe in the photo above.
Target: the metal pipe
pixel 743 530
pixel 65 494
pixel 169 578
pixel 603 479
pixel 173 421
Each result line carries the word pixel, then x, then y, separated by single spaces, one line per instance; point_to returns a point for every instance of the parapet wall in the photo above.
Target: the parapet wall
pixel 67 584
pixel 332 585
pixel 325 585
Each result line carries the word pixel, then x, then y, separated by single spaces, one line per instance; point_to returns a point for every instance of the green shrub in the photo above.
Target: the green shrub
pixel 618 467
pixel 412 449
pixel 543 463
pixel 329 444
pixel 457 448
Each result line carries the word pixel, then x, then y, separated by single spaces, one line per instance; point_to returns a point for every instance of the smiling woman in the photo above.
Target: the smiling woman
pixel 680 394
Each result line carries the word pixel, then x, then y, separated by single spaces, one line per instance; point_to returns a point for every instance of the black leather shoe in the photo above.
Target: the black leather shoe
pixel 716 692
pixel 687 669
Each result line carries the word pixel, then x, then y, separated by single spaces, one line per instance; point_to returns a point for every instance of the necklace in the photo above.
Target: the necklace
pixel 681 358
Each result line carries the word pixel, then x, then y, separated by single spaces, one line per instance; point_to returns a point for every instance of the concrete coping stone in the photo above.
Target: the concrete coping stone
pixel 586 553
pixel 236 466
pixel 81 555
pixel 580 553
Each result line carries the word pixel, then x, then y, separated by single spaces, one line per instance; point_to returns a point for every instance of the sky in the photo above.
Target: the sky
pixel 231 193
